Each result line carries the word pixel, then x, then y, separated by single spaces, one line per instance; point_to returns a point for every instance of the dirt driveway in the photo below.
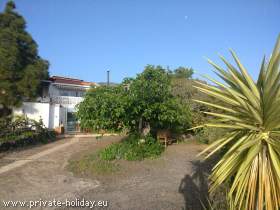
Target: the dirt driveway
pixel 174 181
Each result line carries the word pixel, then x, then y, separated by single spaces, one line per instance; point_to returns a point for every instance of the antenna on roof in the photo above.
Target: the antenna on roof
pixel 108 78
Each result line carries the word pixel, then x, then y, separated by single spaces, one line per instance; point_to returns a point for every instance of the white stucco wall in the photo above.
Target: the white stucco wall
pixel 63 116
pixel 35 111
pixel 56 115
pixel 53 91
pixel 54 107
pixel 52 115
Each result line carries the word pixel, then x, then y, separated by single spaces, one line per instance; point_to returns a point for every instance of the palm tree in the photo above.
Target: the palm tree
pixel 250 113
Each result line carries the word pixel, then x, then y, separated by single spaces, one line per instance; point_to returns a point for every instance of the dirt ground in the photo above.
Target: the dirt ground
pixel 176 180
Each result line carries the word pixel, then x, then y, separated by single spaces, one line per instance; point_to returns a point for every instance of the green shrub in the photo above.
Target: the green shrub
pixel 22 131
pixel 132 148
pixel 110 153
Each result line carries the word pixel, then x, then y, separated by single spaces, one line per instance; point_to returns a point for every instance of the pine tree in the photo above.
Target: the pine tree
pixel 21 68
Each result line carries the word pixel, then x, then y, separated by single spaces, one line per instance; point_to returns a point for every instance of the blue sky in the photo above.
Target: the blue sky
pixel 84 39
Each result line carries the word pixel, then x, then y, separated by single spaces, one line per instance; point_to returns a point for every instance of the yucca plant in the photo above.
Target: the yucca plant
pixel 250 112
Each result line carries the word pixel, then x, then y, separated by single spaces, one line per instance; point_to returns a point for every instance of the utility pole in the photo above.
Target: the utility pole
pixel 108 78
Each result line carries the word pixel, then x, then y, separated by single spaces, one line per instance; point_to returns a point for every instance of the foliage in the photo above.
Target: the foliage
pixel 133 148
pixel 102 108
pixel 22 131
pixel 21 69
pixel 251 162
pixel 174 115
pixel 182 72
pixel 145 101
pixel 146 94
pixel 184 90
pixel 151 103
pixel 92 164
pixel 208 135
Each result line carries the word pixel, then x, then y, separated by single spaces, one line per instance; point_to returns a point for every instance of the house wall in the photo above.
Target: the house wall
pixel 67 98
pixel 53 91
pixel 63 115
pixel 35 111
pixel 55 116
pixel 52 115
pixel 55 102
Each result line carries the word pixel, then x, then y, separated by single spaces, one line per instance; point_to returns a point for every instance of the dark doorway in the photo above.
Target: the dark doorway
pixel 71 122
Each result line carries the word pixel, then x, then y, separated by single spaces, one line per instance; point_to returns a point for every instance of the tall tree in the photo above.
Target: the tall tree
pixel 138 105
pixel 183 72
pixel 102 109
pixel 21 68
pixel 151 103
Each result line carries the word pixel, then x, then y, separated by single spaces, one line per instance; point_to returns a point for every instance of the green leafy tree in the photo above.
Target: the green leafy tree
pixel 21 68
pixel 251 117
pixel 102 109
pixel 151 103
pixel 139 105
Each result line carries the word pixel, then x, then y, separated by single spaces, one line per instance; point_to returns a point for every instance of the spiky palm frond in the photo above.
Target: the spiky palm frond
pixel 251 116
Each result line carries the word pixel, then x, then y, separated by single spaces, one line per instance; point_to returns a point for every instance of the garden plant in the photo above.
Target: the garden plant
pixel 250 115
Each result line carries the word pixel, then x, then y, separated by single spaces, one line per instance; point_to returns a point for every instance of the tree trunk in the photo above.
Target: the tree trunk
pixel 140 125
pixel 146 130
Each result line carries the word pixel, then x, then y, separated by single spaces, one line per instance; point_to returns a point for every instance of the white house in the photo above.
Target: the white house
pixel 57 103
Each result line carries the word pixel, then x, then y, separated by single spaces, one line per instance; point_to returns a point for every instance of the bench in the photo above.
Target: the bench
pixel 164 137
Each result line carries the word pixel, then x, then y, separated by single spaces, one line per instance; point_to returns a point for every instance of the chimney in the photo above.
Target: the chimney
pixel 108 78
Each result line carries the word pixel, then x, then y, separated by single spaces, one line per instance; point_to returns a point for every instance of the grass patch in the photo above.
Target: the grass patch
pixel 105 161
pixel 132 148
pixel 92 164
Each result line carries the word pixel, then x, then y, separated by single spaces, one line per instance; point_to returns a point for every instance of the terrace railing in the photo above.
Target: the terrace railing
pixel 66 100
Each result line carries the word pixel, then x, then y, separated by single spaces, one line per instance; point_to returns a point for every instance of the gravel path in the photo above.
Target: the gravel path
pixel 174 181
pixel 43 175
pixel 24 160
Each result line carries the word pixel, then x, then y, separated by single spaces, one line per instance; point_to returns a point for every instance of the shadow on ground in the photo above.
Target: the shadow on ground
pixel 194 188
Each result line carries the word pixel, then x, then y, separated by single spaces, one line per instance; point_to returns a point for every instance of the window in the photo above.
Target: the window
pixel 64 93
pixel 72 93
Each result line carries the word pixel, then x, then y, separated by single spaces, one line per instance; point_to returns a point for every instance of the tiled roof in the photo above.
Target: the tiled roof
pixel 73 81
